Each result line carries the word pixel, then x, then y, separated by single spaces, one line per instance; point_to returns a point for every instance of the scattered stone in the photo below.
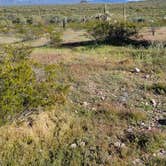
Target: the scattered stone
pixel 76 111
pixel 123 145
pixel 82 144
pixel 85 104
pixel 162 153
pixel 130 130
pixel 143 124
pixel 146 103
pixel 137 70
pixel 154 155
pixel 123 99
pixel 149 128
pixel 119 145
pixel 73 146
pixel 100 93
pixel 147 76
pixel 93 109
pixel 125 94
pixel 102 98
pixel 153 102
pixel 138 162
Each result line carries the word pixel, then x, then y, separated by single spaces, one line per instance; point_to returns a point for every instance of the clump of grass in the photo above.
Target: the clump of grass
pixel 157 161
pixel 132 116
pixel 147 141
pixel 158 88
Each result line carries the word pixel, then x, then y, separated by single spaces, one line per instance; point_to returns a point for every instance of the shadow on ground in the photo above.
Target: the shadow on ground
pixel 131 42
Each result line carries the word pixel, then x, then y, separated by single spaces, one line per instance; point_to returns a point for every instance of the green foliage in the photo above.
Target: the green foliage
pixel 19 89
pixel 106 31
pixel 55 39
pixel 29 20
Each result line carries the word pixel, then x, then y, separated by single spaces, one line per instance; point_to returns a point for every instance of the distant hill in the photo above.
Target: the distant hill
pixel 33 2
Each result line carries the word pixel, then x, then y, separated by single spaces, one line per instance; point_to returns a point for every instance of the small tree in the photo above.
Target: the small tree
pixel 105 31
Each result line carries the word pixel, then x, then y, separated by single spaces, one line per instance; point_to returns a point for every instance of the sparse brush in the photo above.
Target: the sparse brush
pixel 158 88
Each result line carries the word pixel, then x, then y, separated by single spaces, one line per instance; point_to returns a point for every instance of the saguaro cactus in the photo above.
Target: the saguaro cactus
pixel 64 22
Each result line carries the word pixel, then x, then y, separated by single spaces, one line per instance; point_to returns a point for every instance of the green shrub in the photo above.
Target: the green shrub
pixel 29 20
pixel 105 31
pixel 55 39
pixel 20 89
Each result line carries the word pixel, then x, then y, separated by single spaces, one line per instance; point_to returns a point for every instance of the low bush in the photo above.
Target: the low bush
pixel 106 31
pixel 20 90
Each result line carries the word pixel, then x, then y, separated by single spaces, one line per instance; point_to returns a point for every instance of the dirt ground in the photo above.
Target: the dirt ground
pixel 160 34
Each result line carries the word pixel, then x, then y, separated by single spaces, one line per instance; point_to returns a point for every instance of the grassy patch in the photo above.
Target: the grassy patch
pixel 158 88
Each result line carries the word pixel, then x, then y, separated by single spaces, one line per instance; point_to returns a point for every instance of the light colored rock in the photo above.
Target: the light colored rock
pixel 102 98
pixel 130 130
pixel 147 76
pixel 117 144
pixel 153 102
pixel 73 146
pixel 93 109
pixel 138 162
pixel 123 99
pixel 82 144
pixel 123 145
pixel 85 104
pixel 137 70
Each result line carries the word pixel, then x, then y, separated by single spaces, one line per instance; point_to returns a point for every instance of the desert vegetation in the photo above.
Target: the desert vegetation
pixel 78 88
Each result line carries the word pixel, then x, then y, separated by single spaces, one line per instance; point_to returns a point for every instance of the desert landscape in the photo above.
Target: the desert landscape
pixel 83 84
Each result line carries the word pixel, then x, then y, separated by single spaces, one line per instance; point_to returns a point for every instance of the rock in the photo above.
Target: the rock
pixel 161 153
pixel 154 154
pixel 119 145
pixel 82 144
pixel 85 104
pixel 102 98
pixel 73 146
pixel 123 99
pixel 137 70
pixel 130 130
pixel 123 145
pixel 138 162
pixel 147 76
pixel 76 111
pixel 153 102
pixel 146 103
pixel 93 109
pixel 143 124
